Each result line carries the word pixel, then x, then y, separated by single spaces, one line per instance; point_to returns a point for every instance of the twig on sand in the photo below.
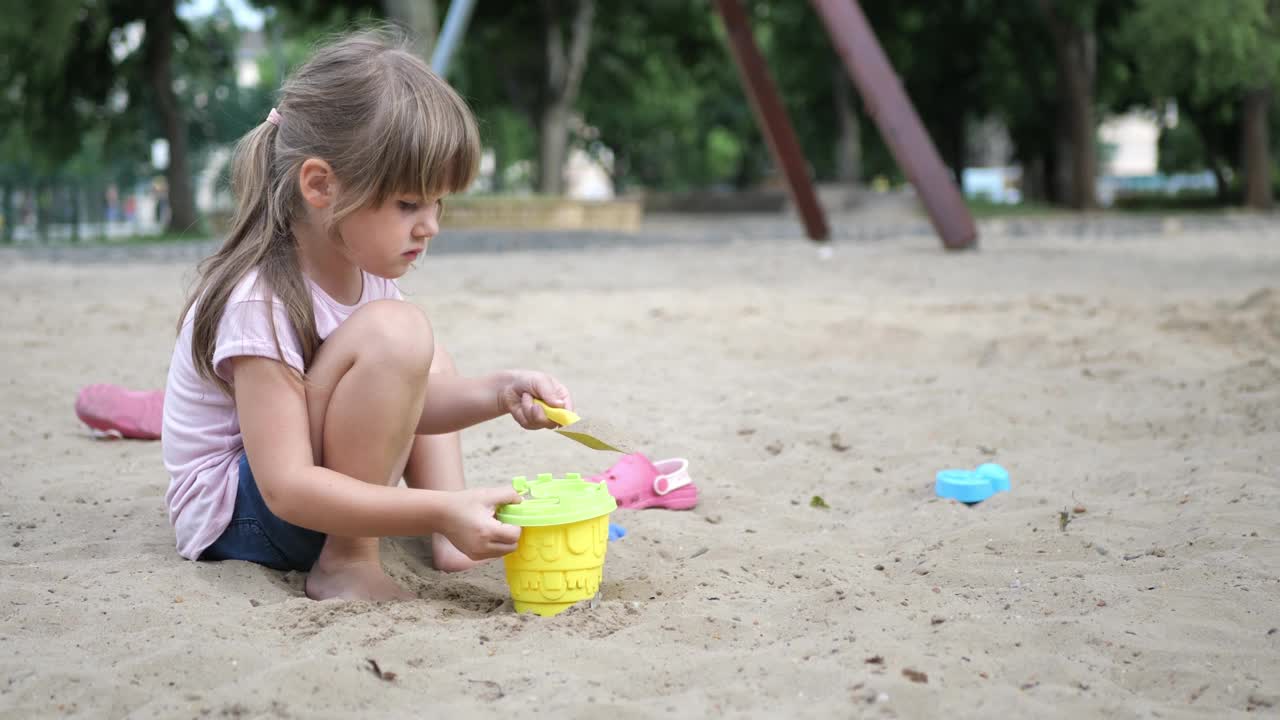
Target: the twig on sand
pixel 379 672
pixel 495 689
pixel 915 675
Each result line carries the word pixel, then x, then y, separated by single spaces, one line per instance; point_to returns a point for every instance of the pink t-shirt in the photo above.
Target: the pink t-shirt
pixel 201 434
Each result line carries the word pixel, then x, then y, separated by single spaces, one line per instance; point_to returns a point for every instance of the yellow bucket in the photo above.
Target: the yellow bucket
pixel 560 558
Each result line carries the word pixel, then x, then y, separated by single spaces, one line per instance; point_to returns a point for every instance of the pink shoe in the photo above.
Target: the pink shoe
pixel 128 413
pixel 637 483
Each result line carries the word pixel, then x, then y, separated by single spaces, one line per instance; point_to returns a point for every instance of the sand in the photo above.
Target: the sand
pixel 1130 384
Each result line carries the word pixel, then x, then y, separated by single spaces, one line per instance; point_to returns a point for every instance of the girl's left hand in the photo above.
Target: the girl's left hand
pixel 521 387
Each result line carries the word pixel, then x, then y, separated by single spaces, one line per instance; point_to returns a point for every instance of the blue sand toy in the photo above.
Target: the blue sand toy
pixel 616 531
pixel 972 486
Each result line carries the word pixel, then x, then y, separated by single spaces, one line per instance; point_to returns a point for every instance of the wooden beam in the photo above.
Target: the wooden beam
pixel 887 103
pixel 772 117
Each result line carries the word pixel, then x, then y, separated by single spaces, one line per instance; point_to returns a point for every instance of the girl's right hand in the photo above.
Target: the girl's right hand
pixel 471 526
pixel 518 390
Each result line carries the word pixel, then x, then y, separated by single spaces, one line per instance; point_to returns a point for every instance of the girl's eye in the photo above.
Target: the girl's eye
pixel 407 206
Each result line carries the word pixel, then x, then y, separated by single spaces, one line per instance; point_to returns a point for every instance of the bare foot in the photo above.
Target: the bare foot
pixel 362 579
pixel 447 558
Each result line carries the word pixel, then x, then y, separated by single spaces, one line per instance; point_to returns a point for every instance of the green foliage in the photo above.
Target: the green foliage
pixel 314 18
pixel 499 70
pixel 1181 148
pixel 55 73
pixel 982 208
pixel 664 96
pixel 661 96
pixel 1203 50
pixel 1206 57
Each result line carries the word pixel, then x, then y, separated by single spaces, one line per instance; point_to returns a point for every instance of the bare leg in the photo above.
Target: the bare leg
pixel 365 392
pixel 435 463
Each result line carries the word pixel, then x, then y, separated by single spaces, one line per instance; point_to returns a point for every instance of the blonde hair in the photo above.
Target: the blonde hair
pixel 383 121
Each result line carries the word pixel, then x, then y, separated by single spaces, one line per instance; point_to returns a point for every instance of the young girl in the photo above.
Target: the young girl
pixel 302 386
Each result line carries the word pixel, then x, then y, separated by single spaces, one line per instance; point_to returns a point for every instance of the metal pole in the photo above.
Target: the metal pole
pixel 772 117
pixel 891 109
pixel 455 24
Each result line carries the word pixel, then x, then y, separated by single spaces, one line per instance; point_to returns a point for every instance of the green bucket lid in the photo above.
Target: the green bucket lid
pixel 556 501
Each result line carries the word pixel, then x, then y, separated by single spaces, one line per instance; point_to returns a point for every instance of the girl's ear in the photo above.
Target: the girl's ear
pixel 317 183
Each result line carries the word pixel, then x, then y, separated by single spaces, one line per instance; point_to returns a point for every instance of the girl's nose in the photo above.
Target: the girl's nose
pixel 428 225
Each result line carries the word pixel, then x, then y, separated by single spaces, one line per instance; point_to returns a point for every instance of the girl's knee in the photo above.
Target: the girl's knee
pixel 395 332
pixel 442 363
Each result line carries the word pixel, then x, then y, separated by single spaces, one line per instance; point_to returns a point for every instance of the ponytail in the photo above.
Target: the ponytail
pixel 260 238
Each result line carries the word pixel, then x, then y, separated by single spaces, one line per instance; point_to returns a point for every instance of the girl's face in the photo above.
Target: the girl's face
pixel 386 240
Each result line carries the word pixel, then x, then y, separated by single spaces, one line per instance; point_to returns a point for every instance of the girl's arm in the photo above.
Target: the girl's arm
pixel 455 402
pixel 272 406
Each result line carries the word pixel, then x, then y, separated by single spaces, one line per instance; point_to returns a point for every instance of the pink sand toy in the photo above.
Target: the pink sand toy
pixel 113 410
pixel 637 483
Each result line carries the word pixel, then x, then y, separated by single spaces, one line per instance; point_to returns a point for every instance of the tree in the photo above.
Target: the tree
pixel 1075 47
pixel 566 62
pixel 664 96
pixel 666 99
pixel 16 169
pixel 539 74
pixel 1019 83
pixel 161 22
pixel 1219 61
pixel 420 17
pixel 45 52
pixel 39 45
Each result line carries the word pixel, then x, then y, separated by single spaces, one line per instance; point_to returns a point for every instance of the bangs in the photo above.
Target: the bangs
pixel 430 145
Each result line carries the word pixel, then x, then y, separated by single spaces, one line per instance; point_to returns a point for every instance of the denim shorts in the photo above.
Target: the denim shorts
pixel 257 535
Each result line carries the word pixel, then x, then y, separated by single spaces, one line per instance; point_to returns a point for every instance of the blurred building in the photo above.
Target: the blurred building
pixel 1130 144
pixel 1129 150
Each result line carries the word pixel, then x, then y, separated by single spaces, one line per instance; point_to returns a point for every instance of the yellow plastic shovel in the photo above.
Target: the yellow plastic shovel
pixel 592 433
